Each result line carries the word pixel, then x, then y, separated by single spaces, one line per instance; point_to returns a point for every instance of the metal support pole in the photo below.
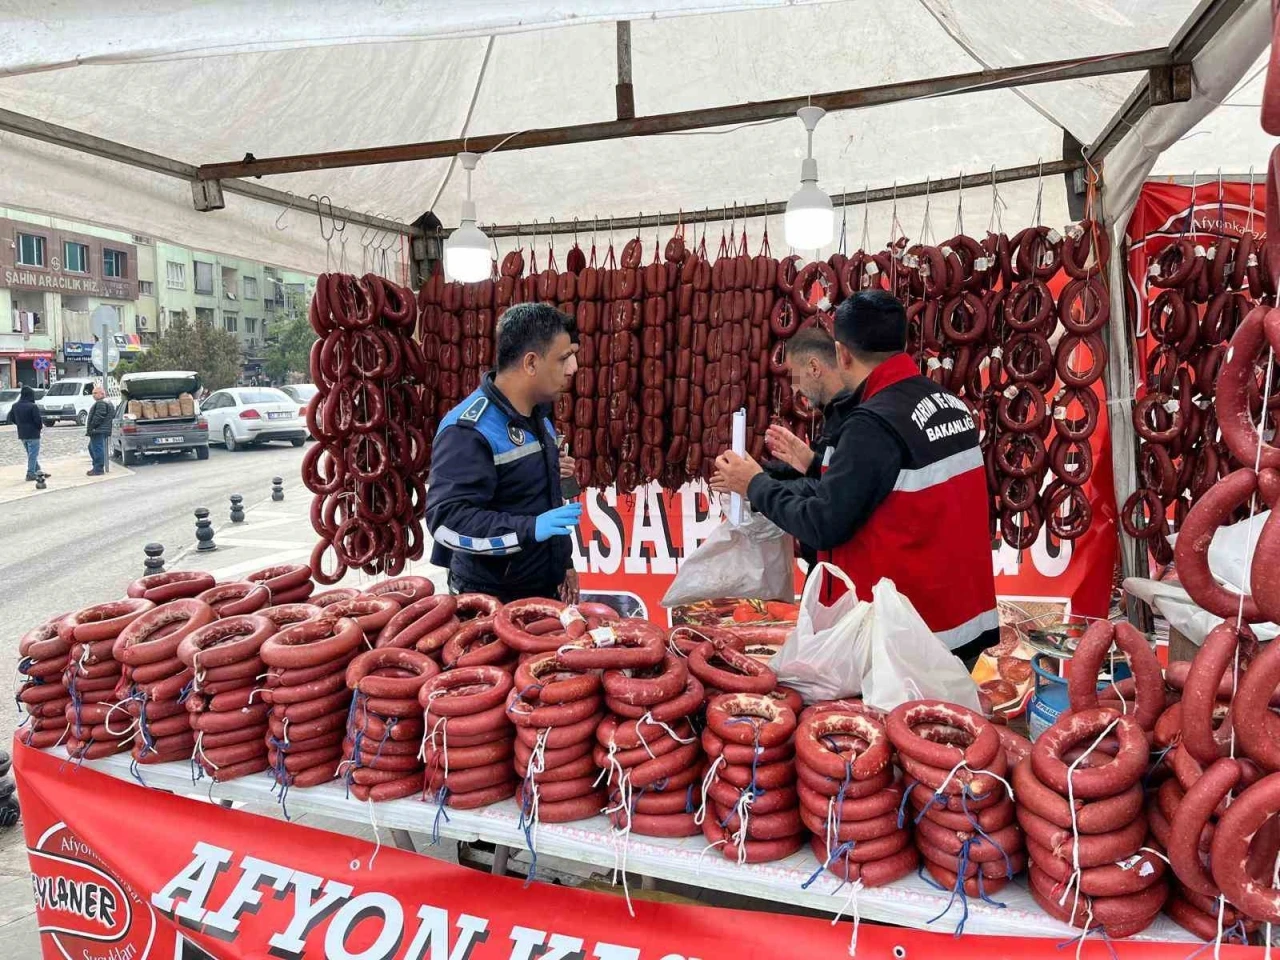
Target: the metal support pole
pixel 624 92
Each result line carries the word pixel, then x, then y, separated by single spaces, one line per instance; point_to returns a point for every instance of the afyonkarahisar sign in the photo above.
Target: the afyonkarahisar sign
pixel 120 872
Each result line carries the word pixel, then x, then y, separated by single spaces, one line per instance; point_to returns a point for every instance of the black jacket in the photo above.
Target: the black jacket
pixel 493 471
pixel 834 414
pixel 100 416
pixel 26 416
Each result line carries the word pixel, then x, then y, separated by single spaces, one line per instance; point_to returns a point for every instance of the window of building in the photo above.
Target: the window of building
pixel 251 288
pixel 30 250
pixel 204 315
pixel 75 257
pixel 115 263
pixel 251 325
pixel 175 275
pixel 146 288
pixel 204 277
pixel 230 322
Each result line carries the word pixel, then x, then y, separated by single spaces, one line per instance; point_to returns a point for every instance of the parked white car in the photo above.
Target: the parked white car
pixel 243 415
pixel 71 398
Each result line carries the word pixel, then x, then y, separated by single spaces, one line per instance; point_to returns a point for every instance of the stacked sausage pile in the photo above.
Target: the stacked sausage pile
pixel 476 643
pixel 964 828
pixel 374 436
pixel 469 738
pixel 384 729
pixel 752 809
pixel 1204 295
pixel 92 675
pixel 285 583
pixel 154 678
pixel 849 798
pixel 43 693
pixel 669 350
pixel 309 698
pixel 647 745
pixel 224 707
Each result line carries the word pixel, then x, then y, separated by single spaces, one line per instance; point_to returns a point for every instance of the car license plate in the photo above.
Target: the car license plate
pixel 168 440
pixel 278 416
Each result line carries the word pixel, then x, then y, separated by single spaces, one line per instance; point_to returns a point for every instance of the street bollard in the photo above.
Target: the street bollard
pixel 155 559
pixel 204 530
pixel 277 489
pixel 237 508
pixel 40 478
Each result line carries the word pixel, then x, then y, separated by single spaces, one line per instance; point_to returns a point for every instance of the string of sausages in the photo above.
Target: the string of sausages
pixel 669 349
pixel 371 425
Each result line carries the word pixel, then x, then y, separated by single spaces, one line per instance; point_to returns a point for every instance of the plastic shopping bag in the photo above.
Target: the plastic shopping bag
pixel 827 654
pixel 754 559
pixel 908 662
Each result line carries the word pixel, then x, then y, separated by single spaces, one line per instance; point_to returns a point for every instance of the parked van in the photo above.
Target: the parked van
pixel 158 414
pixel 70 399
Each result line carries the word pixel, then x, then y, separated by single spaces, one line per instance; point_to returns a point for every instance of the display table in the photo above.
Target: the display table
pixel 910 902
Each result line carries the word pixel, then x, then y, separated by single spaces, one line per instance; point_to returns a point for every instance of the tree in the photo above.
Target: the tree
pixel 289 348
pixel 212 353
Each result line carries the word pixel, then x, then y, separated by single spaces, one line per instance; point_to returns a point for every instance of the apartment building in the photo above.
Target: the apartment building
pixel 55 272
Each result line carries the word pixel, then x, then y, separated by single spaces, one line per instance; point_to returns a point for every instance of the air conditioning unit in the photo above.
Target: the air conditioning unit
pixel 142 323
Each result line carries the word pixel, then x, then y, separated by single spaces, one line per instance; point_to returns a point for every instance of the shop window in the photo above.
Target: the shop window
pixel 230 322
pixel 115 263
pixel 176 275
pixel 251 288
pixel 204 277
pixel 251 325
pixel 75 257
pixel 146 288
pixel 30 250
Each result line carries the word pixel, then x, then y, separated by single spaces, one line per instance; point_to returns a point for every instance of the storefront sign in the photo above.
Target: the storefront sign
pixel 43 280
pixel 34 354
pixel 77 351
pixel 120 872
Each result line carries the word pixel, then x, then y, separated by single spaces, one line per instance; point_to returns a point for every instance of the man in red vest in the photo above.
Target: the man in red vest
pixel 902 492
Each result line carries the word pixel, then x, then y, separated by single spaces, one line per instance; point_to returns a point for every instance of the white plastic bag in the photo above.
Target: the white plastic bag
pixel 754 559
pixel 826 655
pixel 908 662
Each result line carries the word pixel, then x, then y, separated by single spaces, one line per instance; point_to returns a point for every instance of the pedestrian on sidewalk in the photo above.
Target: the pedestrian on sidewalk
pixel 98 429
pixel 26 416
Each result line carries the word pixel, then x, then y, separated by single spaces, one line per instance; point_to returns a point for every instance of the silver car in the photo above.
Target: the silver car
pixel 136 436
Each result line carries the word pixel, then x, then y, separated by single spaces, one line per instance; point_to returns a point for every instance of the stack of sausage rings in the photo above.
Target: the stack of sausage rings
pixel 956 764
pixel 309 699
pixel 752 810
pixel 849 797
pixel 92 675
pixel 224 703
pixel 43 693
pixel 384 728
pixel 469 738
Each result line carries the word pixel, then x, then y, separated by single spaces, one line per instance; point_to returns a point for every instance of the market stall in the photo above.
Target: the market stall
pixel 614 732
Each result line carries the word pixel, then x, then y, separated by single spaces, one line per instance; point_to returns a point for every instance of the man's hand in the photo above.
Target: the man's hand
pixel 734 473
pixel 567 463
pixel 788 448
pixel 557 522
pixel 569 589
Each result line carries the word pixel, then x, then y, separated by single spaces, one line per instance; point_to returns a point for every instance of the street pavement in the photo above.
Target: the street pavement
pixel 67 547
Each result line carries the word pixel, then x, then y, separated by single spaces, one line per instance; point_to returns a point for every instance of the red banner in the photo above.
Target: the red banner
pixel 121 872
pixel 1167 212
pixel 633 546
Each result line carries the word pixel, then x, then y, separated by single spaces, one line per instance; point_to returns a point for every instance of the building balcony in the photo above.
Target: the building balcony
pixel 19 343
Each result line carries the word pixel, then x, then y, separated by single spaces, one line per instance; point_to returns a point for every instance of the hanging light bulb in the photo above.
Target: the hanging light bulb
pixel 810 219
pixel 466 252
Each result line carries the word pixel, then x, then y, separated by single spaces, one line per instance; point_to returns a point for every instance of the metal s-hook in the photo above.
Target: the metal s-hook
pixel 292 199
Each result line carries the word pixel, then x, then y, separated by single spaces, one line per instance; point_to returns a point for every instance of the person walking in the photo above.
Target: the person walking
pixel 98 429
pixel 26 415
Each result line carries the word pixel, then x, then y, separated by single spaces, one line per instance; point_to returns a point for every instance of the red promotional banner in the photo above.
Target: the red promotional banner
pixel 633 545
pixel 121 872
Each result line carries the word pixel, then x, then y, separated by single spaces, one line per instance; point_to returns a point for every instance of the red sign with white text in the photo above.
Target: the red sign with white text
pixel 121 872
pixel 633 545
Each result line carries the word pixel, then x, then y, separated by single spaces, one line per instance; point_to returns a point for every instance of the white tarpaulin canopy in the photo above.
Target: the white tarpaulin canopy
pixel 210 82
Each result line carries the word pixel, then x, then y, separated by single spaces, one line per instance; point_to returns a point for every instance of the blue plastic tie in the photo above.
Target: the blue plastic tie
pixel 441 796
pixel 1008 864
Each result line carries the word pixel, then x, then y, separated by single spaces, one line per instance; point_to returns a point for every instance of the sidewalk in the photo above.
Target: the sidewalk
pixel 64 474
pixel 274 533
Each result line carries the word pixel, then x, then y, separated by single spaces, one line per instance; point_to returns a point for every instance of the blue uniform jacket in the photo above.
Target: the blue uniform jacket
pixel 493 471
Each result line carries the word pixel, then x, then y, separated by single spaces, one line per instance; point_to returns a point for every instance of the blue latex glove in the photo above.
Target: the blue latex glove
pixel 557 522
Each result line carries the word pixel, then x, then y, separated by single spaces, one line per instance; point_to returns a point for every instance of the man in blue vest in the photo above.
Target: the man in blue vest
pixel 494 506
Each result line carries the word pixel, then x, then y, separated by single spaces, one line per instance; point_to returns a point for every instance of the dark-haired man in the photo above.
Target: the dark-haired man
pixel 494 506
pixel 815 376
pixel 903 493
